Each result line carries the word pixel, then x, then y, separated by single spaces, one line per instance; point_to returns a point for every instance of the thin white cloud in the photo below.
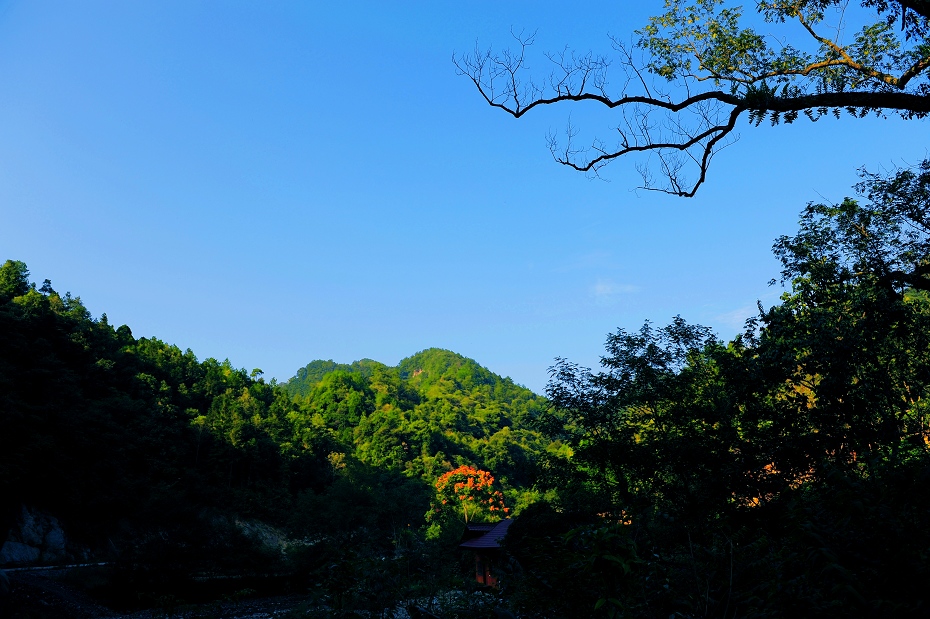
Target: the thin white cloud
pixel 734 320
pixel 605 288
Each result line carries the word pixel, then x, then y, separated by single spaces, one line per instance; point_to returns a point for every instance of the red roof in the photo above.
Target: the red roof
pixel 491 539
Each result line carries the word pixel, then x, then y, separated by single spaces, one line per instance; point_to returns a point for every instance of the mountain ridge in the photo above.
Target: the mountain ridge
pixel 431 361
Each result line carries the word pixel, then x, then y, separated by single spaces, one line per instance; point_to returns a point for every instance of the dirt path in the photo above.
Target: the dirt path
pixel 35 596
pixel 260 608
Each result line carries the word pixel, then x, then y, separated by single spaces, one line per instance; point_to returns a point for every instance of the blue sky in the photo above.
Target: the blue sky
pixel 281 182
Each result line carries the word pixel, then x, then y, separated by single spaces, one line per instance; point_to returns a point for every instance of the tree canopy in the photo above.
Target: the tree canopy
pixel 688 75
pixel 470 489
pixel 433 412
pixel 774 475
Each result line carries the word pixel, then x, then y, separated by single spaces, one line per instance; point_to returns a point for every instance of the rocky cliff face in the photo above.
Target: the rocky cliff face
pixel 37 539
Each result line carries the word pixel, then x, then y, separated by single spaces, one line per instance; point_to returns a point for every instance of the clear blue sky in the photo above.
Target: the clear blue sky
pixel 277 182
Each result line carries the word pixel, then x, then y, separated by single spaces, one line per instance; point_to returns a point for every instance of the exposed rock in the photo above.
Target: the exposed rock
pixel 36 538
pixel 266 535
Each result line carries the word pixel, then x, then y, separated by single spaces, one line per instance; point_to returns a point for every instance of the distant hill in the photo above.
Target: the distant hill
pixel 434 410
pixel 435 363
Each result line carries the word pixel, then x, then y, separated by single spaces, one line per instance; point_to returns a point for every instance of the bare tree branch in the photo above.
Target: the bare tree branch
pixel 873 74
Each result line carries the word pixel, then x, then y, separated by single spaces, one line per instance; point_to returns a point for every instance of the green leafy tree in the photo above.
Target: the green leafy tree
pixel 342 398
pixel 856 322
pixel 836 375
pixel 658 429
pixel 14 280
pixel 701 65
pixel 770 476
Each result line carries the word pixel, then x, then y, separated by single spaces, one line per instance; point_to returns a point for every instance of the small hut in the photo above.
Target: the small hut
pixel 484 540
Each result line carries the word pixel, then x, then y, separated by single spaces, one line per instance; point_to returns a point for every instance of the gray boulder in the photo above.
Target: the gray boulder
pixel 36 538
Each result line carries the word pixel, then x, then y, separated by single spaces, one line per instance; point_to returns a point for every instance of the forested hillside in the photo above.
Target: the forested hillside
pixel 147 454
pixel 434 410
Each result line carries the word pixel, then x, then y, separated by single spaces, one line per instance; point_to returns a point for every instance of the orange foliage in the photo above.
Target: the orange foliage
pixel 473 489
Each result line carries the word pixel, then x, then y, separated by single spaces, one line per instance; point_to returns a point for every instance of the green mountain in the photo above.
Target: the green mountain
pixel 434 411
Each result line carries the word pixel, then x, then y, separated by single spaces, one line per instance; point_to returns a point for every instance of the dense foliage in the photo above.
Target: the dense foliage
pixel 435 411
pixel 778 475
pixel 153 458
pixel 99 424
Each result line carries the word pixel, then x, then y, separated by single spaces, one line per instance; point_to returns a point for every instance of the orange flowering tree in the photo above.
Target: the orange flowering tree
pixel 470 493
